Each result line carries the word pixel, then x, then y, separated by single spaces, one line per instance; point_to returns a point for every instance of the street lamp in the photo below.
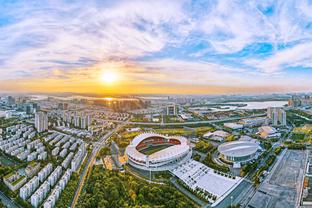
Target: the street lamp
pixel 231 201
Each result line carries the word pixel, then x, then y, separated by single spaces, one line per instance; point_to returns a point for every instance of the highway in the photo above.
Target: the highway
pixel 89 165
pixel 188 122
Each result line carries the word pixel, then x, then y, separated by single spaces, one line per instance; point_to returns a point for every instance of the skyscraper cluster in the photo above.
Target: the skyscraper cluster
pixel 80 121
pixel 277 116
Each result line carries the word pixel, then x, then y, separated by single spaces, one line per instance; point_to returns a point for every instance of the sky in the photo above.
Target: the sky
pixel 179 47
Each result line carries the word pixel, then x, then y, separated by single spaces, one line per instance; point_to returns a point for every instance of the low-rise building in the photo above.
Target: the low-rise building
pixel 268 132
pixel 32 168
pixel 216 135
pixel 14 181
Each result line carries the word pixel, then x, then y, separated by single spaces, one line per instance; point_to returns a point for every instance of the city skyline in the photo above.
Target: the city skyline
pixel 180 47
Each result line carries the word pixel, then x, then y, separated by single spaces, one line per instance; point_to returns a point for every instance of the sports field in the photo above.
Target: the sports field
pixel 153 149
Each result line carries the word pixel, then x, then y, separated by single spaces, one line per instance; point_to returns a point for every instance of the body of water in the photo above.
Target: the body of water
pixel 261 105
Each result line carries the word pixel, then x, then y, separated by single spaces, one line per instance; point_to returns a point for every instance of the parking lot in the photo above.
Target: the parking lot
pixel 281 188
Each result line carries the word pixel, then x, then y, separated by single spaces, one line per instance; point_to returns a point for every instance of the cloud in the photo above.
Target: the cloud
pixel 44 36
pixel 299 55
pixel 222 42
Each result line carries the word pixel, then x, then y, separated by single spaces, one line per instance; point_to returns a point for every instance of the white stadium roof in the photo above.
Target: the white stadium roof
pixel 165 154
pixel 238 148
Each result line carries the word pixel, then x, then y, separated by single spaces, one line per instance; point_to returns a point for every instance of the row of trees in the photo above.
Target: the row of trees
pixel 68 193
pixel 278 150
pixel 203 146
pixel 110 189
pixel 211 163
pixel 296 146
pixel 259 173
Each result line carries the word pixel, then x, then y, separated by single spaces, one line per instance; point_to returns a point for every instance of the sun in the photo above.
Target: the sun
pixel 109 77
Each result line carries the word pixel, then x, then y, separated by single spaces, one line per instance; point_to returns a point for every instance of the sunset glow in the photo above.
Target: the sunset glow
pixel 109 77
pixel 161 46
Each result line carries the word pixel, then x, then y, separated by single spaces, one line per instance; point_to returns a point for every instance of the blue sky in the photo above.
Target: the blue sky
pixel 263 45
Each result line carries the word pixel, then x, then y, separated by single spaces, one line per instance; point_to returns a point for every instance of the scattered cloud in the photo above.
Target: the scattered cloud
pixel 220 43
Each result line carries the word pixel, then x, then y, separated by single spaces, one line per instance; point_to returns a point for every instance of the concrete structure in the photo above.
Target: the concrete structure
pixel 233 126
pixel 29 188
pixel 204 181
pixel 14 181
pixel 164 159
pixel 216 135
pixel 238 151
pixel 32 168
pixel 79 156
pixel 172 110
pixel 251 122
pixel 43 174
pixel 266 132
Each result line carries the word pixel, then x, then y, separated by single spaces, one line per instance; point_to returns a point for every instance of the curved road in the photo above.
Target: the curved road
pixel 89 165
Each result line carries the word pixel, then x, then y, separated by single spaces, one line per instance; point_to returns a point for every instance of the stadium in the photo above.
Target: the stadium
pixel 156 152
pixel 238 151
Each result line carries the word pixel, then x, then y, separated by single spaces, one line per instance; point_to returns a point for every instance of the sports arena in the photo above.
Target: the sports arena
pixel 156 152
pixel 238 151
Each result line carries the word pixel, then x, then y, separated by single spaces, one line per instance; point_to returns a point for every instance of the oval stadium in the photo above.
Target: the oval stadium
pixel 156 152
pixel 238 151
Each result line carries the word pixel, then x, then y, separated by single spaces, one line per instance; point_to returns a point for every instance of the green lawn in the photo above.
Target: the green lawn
pixel 151 150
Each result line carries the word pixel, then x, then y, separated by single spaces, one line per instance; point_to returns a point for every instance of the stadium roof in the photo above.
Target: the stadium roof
pixel 238 148
pixel 165 154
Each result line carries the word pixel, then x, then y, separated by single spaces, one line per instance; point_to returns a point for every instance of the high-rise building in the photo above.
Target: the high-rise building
pixel 41 121
pixel 277 115
pixel 282 117
pixel 172 110
pixel 83 122
pixel 63 106
pixel 274 117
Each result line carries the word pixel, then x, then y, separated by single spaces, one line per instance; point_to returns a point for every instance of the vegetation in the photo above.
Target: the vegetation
pixel 109 189
pixel 259 173
pixel 123 139
pixel 196 157
pixel 296 146
pixel 104 151
pixel 278 150
pixel 211 163
pixel 248 167
pixel 68 193
pixel 267 145
pixel 306 129
pixel 4 123
pixel 163 175
pixel 203 146
pixel 230 138
pixel 297 137
pixel 293 117
pixel 199 193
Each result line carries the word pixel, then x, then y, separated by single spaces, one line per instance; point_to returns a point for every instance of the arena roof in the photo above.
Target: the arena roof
pixel 144 136
pixel 165 154
pixel 238 148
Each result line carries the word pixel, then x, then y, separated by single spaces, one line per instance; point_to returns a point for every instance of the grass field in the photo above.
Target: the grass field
pixel 151 150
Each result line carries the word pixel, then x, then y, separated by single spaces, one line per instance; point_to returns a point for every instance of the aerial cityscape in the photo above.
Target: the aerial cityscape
pixel 156 104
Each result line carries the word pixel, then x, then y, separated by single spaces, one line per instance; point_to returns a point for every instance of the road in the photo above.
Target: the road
pixel 91 159
pixel 7 201
pixel 251 190
pixel 188 122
